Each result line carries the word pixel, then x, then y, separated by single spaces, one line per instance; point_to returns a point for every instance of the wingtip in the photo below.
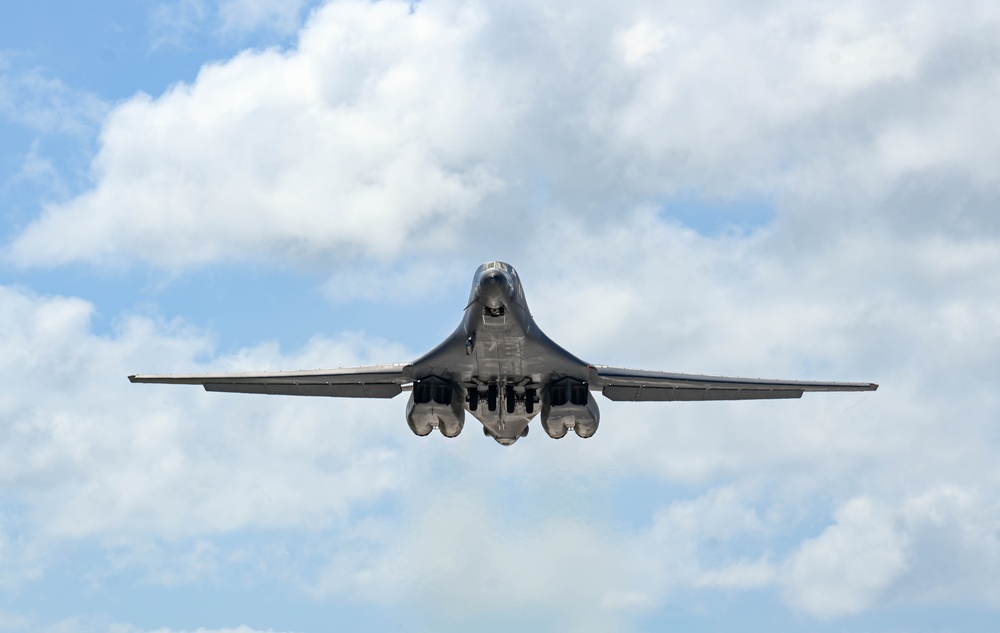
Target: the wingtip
pixel 873 386
pixel 131 378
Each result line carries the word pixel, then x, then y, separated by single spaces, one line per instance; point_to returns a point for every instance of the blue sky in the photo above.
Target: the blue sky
pixel 792 192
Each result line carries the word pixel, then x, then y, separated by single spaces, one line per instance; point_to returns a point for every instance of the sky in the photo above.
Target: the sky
pixel 780 190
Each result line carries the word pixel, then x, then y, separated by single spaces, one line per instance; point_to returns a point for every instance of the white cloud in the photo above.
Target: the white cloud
pixel 390 133
pixel 554 135
pixel 171 22
pixel 238 629
pixel 39 168
pixel 939 545
pixel 956 546
pixel 845 569
pixel 46 104
pixel 740 575
pixel 174 22
pixel 159 476
pixel 640 42
pixel 121 463
pixel 85 625
pixel 97 456
pixel 457 536
pixel 281 16
pixel 301 146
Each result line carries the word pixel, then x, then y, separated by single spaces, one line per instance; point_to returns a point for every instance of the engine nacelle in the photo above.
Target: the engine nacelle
pixel 436 403
pixel 567 404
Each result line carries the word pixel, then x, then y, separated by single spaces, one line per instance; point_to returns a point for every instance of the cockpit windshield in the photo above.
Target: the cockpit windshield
pixel 507 268
pixel 502 266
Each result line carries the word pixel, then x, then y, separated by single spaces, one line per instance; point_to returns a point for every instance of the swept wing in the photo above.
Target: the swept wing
pixel 636 385
pixel 499 366
pixel 374 381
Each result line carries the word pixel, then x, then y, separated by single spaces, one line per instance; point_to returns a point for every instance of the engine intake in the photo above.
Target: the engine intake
pixel 436 403
pixel 567 404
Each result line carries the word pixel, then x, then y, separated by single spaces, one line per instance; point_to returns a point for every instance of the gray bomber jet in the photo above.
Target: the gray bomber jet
pixel 501 368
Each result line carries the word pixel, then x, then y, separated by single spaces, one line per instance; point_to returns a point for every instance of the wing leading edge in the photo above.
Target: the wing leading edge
pixel 374 381
pixel 636 385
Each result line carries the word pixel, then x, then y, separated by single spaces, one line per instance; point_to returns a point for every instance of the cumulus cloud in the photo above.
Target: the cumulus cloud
pixel 332 148
pixel 873 554
pixel 561 137
pixel 94 456
pixel 721 316
pixel 498 558
pixel 386 131
pixel 845 568
pixel 158 476
pixel 661 295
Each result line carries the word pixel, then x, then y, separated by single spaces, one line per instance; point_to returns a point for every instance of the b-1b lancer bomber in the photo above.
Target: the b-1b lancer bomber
pixel 504 370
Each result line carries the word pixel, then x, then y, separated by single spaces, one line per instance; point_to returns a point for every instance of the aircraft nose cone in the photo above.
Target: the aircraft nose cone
pixel 493 279
pixel 494 288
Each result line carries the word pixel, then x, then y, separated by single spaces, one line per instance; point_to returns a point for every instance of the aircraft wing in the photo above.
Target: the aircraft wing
pixel 636 385
pixel 375 381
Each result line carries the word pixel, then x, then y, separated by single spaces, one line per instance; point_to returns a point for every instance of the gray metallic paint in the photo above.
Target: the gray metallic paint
pixel 498 343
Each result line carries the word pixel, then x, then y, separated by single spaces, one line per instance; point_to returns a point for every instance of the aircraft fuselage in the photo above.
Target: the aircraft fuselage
pixel 498 357
pixel 501 367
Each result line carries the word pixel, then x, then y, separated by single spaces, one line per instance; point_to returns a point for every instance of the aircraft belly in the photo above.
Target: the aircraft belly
pixel 511 351
pixel 502 424
pixel 514 355
pixel 498 365
pixel 499 359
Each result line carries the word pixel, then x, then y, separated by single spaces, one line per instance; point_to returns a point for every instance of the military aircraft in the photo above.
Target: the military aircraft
pixel 500 366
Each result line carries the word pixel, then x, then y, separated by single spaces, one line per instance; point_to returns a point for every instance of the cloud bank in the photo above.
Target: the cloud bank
pixel 588 144
pixel 388 130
